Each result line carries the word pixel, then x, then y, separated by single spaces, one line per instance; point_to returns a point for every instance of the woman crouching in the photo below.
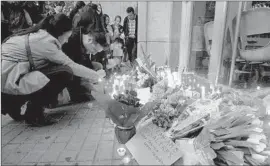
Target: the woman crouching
pixel 35 69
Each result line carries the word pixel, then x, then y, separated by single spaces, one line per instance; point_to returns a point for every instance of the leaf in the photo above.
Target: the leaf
pixel 220 132
pixel 240 143
pixel 252 161
pixel 231 158
pixel 217 146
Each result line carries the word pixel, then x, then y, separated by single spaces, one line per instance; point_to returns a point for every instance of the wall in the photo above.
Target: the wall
pixel 159 31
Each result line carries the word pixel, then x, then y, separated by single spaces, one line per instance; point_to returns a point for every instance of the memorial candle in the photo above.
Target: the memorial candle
pixel 203 92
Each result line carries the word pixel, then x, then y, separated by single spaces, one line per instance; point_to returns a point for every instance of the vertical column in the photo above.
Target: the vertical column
pixel 175 31
pixel 217 41
pixel 185 35
pixel 142 27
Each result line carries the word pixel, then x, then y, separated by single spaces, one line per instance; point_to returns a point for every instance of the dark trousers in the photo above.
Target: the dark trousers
pixel 60 77
pixel 131 46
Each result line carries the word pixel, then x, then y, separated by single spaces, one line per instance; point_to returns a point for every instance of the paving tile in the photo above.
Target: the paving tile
pixel 108 131
pixel 14 158
pixel 62 139
pixel 73 146
pixel 21 138
pixel 79 135
pixel 84 163
pixel 11 135
pixel 57 146
pixel 90 145
pixel 64 135
pixel 101 115
pixel 50 156
pixel 107 137
pixel 93 137
pixel 10 148
pixel 117 162
pixel 86 155
pixel 30 164
pixel 95 130
pixel 104 151
pixel 33 157
pixel 65 163
pixel 67 156
pixel 46 164
pixel 103 162
pixel 41 146
pixel 25 148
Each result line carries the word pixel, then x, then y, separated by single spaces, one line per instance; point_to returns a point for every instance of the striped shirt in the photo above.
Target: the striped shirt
pixel 132 28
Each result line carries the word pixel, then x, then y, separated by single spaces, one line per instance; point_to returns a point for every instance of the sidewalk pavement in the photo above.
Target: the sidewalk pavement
pixel 81 137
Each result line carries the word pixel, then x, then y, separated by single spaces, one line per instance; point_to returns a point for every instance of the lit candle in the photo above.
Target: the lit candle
pixel 121 151
pixel 203 92
pixel 126 159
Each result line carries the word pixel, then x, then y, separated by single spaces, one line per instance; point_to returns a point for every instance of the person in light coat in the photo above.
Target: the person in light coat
pixel 49 72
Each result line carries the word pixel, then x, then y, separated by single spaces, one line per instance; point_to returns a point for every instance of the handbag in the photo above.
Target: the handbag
pixel 33 80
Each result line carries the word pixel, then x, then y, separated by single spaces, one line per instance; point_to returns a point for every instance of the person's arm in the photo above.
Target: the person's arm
pixel 56 55
pixel 125 26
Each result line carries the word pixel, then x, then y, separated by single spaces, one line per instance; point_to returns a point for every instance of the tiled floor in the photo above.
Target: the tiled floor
pixel 81 137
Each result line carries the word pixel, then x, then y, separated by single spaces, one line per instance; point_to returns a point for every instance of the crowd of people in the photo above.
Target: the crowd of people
pixel 45 51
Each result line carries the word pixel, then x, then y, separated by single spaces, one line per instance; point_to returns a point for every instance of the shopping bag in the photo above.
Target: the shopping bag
pixel 63 97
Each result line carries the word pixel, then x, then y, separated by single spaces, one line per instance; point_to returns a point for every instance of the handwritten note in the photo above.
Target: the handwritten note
pixel 150 146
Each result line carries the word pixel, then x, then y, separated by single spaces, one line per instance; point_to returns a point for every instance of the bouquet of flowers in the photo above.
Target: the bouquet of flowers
pixel 193 118
pixel 128 98
pixel 237 139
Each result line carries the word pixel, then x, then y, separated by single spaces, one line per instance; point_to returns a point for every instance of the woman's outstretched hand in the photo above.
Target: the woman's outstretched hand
pixel 101 73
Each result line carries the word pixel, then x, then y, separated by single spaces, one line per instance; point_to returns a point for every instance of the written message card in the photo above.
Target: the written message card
pixel 150 146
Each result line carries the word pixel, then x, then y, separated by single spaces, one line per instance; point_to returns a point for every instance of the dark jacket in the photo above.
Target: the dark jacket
pixel 74 49
pixel 126 28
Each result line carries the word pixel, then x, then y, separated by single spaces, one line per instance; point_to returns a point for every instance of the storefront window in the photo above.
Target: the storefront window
pixel 252 67
pixel 201 40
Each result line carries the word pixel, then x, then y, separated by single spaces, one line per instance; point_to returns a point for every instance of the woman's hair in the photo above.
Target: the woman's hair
pixel 118 17
pixel 95 7
pixel 55 25
pixel 86 20
pixel 100 38
pixel 104 18
pixel 79 5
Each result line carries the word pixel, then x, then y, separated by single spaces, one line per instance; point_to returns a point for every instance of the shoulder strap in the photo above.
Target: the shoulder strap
pixel 28 52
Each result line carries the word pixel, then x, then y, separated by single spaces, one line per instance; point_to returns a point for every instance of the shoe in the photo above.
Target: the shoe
pixel 34 116
pixel 41 122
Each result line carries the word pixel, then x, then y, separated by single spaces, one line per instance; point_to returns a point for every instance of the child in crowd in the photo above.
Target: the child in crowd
pixel 117 28
pixel 116 55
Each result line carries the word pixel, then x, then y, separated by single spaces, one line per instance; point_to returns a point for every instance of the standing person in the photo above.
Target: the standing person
pixel 59 6
pixel 77 9
pixel 108 28
pixel 130 30
pixel 35 69
pixel 117 28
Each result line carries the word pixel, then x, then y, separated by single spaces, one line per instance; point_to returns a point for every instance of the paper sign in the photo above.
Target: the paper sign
pixel 150 146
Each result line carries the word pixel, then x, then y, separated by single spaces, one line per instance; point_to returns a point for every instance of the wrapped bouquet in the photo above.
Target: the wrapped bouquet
pixel 237 139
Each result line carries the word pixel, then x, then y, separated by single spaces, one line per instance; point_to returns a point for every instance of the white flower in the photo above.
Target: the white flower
pixel 257 129
pixel 257 122
pixel 253 140
pixel 257 136
pixel 259 148
pixel 258 157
